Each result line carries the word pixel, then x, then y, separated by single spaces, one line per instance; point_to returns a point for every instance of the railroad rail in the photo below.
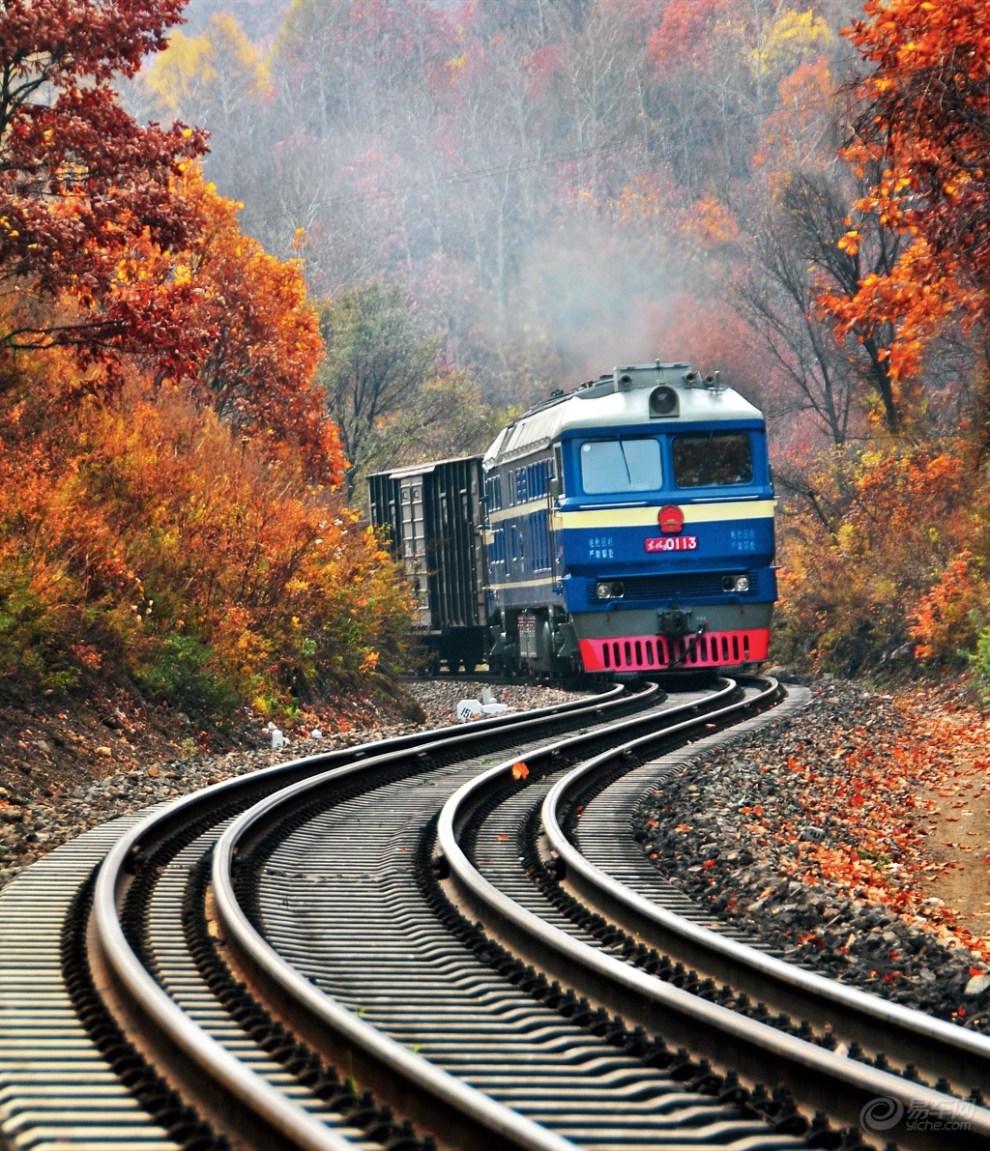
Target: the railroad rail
pixel 72 1075
pixel 643 956
pixel 305 973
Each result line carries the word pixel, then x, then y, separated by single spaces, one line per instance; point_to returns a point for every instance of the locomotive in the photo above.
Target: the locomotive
pixel 620 529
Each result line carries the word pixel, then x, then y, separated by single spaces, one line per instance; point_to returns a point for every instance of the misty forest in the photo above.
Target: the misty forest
pixel 253 250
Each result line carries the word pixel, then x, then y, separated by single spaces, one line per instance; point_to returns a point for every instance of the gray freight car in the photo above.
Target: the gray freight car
pixel 433 515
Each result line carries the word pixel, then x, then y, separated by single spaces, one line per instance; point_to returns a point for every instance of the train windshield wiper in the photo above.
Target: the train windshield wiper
pixel 625 464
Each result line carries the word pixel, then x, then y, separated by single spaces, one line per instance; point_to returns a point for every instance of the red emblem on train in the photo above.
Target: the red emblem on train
pixel 670 519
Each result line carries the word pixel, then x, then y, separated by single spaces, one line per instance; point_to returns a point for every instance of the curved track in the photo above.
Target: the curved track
pixel 330 943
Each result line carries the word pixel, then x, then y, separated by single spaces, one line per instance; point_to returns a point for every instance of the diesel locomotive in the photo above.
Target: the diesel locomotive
pixel 620 529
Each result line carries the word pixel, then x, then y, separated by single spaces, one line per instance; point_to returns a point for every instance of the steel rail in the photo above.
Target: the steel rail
pixel 407 1081
pixel 818 1078
pixel 240 1098
pixel 934 1046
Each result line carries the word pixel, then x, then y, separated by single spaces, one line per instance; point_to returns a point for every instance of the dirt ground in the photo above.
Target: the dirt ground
pixel 48 748
pixel 958 819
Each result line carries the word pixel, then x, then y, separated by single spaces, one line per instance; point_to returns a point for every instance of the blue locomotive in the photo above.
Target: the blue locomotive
pixel 626 528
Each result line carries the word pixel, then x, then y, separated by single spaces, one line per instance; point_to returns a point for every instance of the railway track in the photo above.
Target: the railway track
pixel 374 918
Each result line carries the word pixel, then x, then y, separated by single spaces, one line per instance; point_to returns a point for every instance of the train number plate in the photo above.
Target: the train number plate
pixel 672 544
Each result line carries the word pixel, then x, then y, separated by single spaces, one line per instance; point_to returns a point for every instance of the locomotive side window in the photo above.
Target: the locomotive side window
pixel 706 459
pixel 615 467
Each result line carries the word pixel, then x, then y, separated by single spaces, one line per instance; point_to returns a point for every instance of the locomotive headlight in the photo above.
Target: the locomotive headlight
pixel 739 583
pixel 663 401
pixel 606 589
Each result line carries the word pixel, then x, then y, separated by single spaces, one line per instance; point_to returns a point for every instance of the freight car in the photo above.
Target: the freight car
pixel 628 529
pixel 433 514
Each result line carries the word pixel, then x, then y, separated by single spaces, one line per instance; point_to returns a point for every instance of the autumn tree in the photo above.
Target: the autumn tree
pixel 217 79
pixel 219 73
pixel 449 416
pixel 180 533
pixel 81 182
pixel 379 357
pixel 259 341
pixel 925 130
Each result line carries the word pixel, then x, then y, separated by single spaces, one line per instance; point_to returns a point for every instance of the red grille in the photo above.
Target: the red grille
pixel 660 652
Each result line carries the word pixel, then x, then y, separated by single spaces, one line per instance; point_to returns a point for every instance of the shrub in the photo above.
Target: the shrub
pixel 872 553
pixel 980 662
pixel 185 673
pixel 949 615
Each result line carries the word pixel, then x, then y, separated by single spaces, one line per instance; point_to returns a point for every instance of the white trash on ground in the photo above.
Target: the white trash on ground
pixel 468 709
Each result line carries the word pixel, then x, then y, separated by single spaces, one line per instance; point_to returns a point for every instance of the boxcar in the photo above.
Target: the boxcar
pixel 433 514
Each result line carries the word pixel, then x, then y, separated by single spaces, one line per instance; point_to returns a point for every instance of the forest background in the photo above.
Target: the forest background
pixel 248 259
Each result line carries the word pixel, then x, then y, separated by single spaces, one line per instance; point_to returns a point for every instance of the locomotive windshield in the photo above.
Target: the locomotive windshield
pixel 706 459
pixel 615 467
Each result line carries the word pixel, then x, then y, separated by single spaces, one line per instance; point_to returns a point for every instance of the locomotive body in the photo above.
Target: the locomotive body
pixel 630 528
pixel 627 529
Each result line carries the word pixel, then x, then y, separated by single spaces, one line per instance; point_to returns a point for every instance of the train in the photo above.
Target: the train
pixel 621 529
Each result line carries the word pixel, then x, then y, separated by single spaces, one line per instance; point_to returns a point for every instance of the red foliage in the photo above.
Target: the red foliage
pixel 81 182
pixel 927 128
pixel 687 30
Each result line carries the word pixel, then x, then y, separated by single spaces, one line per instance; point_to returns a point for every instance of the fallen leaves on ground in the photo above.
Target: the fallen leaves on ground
pixel 870 817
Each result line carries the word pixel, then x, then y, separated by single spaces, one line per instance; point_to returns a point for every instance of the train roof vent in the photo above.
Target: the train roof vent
pixel 628 376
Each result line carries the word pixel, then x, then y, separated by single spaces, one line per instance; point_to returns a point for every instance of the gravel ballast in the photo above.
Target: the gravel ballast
pixel 33 822
pixel 811 834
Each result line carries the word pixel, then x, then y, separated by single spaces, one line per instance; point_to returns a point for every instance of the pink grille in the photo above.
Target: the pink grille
pixel 660 652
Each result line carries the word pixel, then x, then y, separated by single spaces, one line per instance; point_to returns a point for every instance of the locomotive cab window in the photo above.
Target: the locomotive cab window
pixel 710 459
pixel 616 467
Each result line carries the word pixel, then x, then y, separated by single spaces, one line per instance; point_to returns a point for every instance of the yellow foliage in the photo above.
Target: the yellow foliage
pixel 794 36
pixel 221 56
pixel 893 562
pixel 173 75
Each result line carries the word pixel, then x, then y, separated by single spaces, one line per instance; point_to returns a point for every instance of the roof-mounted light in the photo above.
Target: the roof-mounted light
pixel 663 401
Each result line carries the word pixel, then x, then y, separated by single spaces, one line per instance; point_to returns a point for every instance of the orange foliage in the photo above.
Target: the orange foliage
pixel 147 540
pixel 863 559
pixel 217 314
pixel 710 224
pixel 259 342
pixel 792 132
pixel 688 29
pixel 926 128
pixel 948 618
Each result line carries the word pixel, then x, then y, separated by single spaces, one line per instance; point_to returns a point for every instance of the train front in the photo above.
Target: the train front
pixel 665 526
pixel 659 514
